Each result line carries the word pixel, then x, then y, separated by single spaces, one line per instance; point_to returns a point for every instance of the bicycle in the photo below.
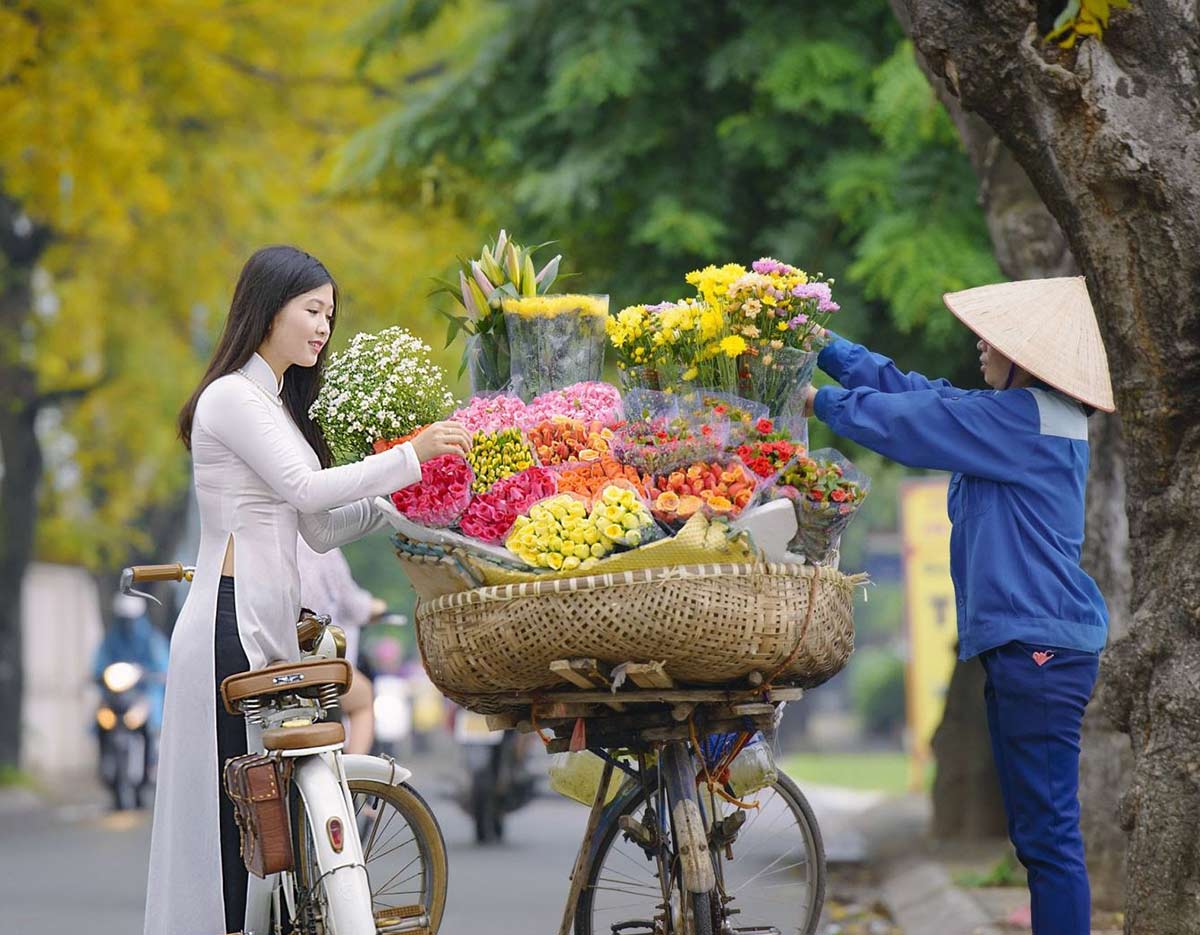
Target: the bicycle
pixel 370 858
pixel 676 852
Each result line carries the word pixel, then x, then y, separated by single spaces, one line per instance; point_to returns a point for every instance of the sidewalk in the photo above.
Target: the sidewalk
pixel 919 877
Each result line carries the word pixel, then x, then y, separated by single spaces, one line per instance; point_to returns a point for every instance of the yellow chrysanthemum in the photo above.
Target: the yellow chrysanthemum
pixel 733 345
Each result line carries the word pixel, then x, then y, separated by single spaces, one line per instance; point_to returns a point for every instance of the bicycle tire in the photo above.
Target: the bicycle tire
pixel 633 798
pixel 427 834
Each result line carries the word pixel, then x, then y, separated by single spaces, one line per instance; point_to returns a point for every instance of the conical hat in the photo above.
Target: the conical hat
pixel 1046 327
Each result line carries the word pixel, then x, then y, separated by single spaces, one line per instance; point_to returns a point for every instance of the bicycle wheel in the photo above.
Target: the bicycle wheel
pixel 404 852
pixel 776 881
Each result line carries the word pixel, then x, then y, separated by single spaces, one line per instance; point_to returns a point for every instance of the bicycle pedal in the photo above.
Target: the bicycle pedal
pixel 402 920
pixel 634 927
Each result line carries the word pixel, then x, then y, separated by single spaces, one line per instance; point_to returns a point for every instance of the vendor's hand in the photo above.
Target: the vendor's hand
pixel 378 607
pixel 810 395
pixel 442 438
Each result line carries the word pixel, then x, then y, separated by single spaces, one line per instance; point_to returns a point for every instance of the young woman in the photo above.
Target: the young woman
pixel 1035 619
pixel 262 477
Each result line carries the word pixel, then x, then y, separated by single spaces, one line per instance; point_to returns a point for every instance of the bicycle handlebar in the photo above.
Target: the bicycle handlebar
pixel 174 572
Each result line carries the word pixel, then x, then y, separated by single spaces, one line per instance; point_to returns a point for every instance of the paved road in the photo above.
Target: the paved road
pixel 79 869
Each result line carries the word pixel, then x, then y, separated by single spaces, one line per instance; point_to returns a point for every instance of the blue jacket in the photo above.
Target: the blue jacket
pixel 1020 460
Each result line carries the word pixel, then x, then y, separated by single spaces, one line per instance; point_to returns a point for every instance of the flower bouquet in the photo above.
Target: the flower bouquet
pixel 490 412
pixel 708 407
pixel 442 494
pixel 561 439
pixel 588 401
pixel 715 487
pixel 554 340
pixel 502 270
pixel 767 450
pixel 490 515
pixel 382 386
pixel 826 490
pixel 496 455
pixel 587 479
pixel 659 446
pixel 558 533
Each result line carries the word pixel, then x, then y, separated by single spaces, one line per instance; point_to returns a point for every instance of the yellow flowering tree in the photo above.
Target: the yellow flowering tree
pixel 142 157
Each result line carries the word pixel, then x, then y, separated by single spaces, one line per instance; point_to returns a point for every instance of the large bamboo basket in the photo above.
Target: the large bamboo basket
pixel 708 624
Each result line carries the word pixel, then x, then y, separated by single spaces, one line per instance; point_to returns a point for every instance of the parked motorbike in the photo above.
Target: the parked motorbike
pixel 496 779
pixel 126 741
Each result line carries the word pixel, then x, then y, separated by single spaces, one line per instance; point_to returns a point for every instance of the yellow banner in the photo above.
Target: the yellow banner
pixel 930 614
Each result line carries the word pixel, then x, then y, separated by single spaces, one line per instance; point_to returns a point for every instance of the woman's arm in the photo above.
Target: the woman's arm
pixel 234 412
pixel 852 365
pixel 332 529
pixel 984 434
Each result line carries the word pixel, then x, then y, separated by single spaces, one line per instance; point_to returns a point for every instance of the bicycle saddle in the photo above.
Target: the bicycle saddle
pixel 305 678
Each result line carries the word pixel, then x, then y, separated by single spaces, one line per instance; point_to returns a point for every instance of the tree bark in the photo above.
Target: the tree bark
pixel 1029 243
pixel 1107 135
pixel 21 243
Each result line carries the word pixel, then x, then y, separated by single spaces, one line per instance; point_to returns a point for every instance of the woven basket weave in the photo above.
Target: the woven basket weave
pixel 709 624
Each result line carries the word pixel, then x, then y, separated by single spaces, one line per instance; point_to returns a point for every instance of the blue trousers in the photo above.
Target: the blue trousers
pixel 1036 696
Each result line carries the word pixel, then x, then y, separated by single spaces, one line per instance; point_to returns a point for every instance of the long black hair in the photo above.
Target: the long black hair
pixel 271 278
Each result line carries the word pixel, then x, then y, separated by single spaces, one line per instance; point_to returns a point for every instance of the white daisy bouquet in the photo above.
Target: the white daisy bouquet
pixel 382 386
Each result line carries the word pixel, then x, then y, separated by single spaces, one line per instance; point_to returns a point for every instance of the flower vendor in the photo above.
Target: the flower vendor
pixel 1036 620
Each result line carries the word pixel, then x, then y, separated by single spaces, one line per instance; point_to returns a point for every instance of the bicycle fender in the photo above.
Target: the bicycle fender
pixel 375 769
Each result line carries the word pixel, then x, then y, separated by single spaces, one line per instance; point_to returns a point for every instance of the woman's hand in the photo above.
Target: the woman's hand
pixel 442 438
pixel 810 395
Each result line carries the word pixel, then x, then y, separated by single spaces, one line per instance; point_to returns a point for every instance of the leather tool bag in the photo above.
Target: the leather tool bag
pixel 257 784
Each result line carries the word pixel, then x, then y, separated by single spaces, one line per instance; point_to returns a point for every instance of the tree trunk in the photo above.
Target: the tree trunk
pixel 1106 133
pixel 21 243
pixel 1029 243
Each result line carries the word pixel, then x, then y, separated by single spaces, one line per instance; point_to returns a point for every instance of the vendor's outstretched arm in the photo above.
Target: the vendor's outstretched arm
pixel 852 365
pixel 982 433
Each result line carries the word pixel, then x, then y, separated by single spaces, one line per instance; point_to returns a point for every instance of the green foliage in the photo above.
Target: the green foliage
pixel 653 136
pixel 877 690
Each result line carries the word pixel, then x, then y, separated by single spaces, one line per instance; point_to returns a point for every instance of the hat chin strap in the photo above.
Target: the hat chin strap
pixel 1012 372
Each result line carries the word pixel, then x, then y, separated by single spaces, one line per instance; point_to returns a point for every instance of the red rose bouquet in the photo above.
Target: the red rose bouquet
pixel 442 494
pixel 490 516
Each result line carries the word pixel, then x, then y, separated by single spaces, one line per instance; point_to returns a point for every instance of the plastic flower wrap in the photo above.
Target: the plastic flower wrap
pixel 710 407
pixel 558 533
pixel 490 413
pixel 383 385
pixel 659 446
pixel 622 518
pixel 496 455
pixel 555 340
pixel 587 479
pixel 642 405
pixel 826 490
pixel 718 488
pixel 490 516
pixel 503 269
pixel 590 401
pixel 561 439
pixel 442 494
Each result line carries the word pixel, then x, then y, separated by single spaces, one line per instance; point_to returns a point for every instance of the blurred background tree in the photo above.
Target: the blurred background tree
pixel 142 159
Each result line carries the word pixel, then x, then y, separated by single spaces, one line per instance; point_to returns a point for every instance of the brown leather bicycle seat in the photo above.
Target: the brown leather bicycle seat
pixel 321 734
pixel 295 678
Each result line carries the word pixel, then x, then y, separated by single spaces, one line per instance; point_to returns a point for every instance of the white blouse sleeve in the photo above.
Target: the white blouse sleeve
pixel 334 528
pixel 236 414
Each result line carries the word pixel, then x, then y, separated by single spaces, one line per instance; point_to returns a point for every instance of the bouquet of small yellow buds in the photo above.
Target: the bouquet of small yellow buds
pixel 496 455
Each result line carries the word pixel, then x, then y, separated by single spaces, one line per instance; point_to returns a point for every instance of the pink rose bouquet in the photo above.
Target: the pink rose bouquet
pixel 490 516
pixel 491 413
pixel 590 401
pixel 442 494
